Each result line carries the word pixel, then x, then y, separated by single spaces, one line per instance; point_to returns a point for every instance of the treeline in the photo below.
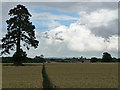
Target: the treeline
pixel 25 60
pixel 66 60
pixel 72 60
pixel 106 57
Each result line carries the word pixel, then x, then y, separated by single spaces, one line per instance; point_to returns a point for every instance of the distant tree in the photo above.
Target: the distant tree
pixel 118 59
pixel 94 59
pixel 106 57
pixel 114 59
pixel 81 57
pixel 82 61
pixel 42 56
pixel 74 58
pixel 0 46
pixel 40 59
pixel 19 29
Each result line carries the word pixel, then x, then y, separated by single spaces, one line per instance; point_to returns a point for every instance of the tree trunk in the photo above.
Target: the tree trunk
pixel 18 61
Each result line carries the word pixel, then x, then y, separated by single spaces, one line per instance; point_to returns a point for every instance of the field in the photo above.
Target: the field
pixel 22 76
pixel 83 75
pixel 61 75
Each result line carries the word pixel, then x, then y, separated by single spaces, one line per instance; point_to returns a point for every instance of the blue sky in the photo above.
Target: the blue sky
pixel 55 11
pixel 42 27
pixel 66 22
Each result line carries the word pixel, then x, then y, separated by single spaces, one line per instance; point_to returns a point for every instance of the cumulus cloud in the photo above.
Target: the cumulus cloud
pixel 112 43
pixel 80 38
pixel 102 22
pixel 98 18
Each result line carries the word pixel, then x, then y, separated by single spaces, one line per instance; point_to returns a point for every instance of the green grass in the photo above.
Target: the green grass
pixel 83 75
pixel 21 77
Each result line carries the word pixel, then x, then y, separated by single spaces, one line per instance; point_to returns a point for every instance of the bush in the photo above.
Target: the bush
pixel 94 59
pixel 7 60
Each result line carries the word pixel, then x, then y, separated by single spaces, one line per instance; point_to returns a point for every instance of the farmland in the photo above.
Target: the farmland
pixel 61 75
pixel 83 75
pixel 22 77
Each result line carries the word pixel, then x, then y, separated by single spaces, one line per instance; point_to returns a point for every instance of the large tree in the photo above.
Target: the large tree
pixel 19 29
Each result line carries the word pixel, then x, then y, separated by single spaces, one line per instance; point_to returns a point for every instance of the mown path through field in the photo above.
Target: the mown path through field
pixel 60 75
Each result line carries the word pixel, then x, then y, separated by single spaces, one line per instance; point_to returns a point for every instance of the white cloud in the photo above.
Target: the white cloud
pixel 54 36
pixel 83 40
pixel 46 16
pixel 98 18
pixel 79 38
pixel 53 24
pixel 112 43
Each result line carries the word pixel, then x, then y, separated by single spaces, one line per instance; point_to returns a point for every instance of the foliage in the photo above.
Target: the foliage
pixel 7 60
pixel 94 59
pixel 106 57
pixel 22 55
pixel 19 29
pixel 25 60
pixel 39 59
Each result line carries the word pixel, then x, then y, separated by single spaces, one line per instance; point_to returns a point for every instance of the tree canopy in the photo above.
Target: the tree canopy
pixel 106 57
pixel 19 28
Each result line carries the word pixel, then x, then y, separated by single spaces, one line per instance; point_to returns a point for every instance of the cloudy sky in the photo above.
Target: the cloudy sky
pixel 67 29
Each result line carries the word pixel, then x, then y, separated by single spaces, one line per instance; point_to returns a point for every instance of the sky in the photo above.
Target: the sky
pixel 70 29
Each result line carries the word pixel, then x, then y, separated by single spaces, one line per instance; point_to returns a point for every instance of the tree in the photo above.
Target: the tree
pixel 114 59
pixel 106 57
pixel 94 59
pixel 23 55
pixel 0 46
pixel 42 56
pixel 19 29
pixel 40 59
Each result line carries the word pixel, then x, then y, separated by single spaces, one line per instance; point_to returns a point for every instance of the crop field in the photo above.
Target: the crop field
pixel 21 77
pixel 83 75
